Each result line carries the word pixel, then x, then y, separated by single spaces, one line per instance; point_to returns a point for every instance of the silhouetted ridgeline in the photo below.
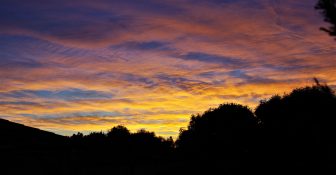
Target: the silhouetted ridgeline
pixel 293 133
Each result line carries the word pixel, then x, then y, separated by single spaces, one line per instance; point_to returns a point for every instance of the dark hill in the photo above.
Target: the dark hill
pixel 14 134
pixel 27 150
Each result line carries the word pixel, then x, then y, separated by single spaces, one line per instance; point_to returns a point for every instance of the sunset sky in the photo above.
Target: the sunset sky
pixel 88 65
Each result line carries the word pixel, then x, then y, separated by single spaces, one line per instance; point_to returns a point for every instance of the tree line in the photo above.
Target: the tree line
pixel 292 133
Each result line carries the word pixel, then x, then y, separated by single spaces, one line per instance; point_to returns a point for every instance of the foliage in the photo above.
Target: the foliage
pixel 328 9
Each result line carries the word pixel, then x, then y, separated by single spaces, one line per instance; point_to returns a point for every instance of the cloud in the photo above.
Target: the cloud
pixel 247 79
pixel 150 45
pixel 182 83
pixel 19 103
pixel 68 94
pixel 87 65
pixel 209 58
pixel 81 24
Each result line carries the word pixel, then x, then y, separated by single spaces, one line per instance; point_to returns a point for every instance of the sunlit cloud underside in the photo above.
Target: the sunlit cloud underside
pixel 83 66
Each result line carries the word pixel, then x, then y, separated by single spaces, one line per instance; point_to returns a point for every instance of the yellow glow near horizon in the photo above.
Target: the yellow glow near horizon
pixel 147 68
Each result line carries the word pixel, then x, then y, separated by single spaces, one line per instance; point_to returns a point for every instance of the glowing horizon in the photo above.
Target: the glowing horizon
pixel 84 66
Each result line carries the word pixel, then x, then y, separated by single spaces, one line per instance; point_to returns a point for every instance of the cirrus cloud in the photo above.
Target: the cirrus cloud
pixel 81 65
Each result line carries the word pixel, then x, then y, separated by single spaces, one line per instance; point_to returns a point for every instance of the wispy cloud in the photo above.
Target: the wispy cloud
pixel 68 94
pixel 217 59
pixel 84 65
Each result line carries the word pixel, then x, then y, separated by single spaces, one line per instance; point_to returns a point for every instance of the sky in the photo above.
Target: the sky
pixel 84 66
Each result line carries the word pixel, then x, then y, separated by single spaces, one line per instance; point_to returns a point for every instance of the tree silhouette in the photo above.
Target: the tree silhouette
pixel 328 9
pixel 300 128
pixel 218 125
pixel 118 132
pixel 119 136
pixel 147 143
pixel 225 133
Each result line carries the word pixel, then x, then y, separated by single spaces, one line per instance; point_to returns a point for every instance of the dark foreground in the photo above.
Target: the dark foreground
pixel 294 133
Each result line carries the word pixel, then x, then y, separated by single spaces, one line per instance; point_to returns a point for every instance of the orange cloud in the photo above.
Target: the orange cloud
pixel 152 66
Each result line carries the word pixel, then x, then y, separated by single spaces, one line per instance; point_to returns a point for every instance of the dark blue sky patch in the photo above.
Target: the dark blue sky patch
pixel 209 58
pixel 247 79
pixel 136 79
pixel 101 114
pixel 81 94
pixel 150 45
pixel 68 94
pixel 128 77
pixel 179 82
pixel 256 4
pixel 82 20
pixel 211 74
pixel 171 78
pixel 78 21
pixel 27 63
pixel 19 103
pixel 151 6
pixel 292 66
pixel 24 49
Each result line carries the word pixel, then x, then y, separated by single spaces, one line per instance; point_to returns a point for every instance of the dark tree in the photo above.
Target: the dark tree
pixel 220 138
pixel 300 128
pixel 118 134
pixel 229 123
pixel 96 137
pixel 328 9
pixel 147 143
